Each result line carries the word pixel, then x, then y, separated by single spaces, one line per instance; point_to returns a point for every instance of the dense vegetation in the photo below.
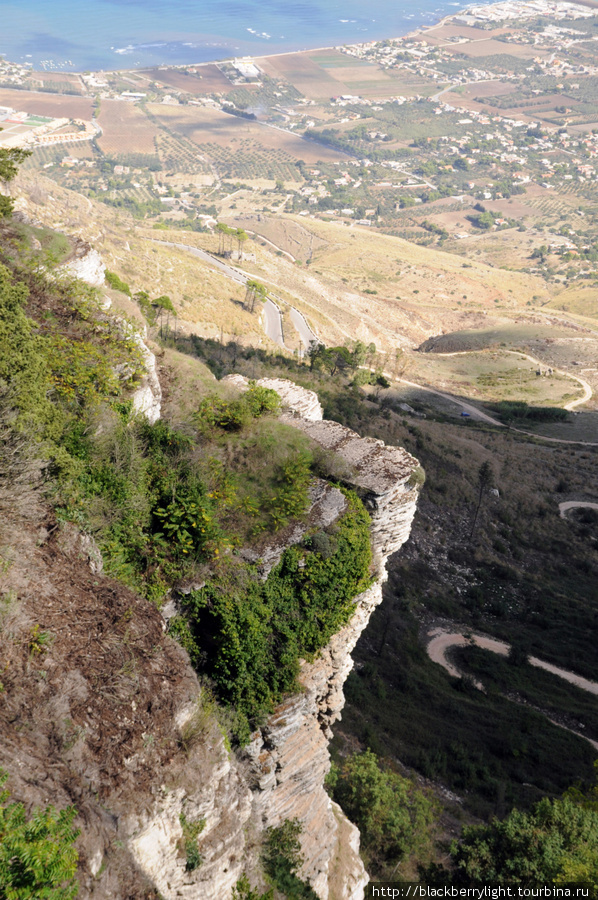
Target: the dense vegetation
pixel 248 635
pixel 555 843
pixel 394 817
pixel 37 858
pixel 169 504
pixel 524 575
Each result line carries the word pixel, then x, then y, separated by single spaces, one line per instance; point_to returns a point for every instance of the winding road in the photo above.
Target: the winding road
pixel 575 504
pixel 305 333
pixel 442 641
pixel 272 314
pixel 273 322
pixel 273 329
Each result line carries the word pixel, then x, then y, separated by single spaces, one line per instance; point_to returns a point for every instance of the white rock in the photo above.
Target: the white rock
pixel 88 268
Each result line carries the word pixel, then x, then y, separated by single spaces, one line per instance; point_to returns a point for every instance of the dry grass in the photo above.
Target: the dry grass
pixel 493 376
pixel 414 291
pixel 582 301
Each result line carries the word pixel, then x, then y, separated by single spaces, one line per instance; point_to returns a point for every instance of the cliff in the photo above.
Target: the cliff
pixel 289 755
pixel 107 714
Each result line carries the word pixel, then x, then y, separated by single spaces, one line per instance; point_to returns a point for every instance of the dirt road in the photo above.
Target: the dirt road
pixel 575 504
pixel 442 641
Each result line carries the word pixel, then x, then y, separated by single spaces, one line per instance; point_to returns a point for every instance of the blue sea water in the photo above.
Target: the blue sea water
pixel 114 34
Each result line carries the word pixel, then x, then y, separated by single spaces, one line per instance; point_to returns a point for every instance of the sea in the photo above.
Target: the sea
pixel 80 35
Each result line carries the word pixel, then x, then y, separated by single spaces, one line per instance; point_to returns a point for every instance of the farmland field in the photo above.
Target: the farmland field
pixel 203 80
pixel 126 129
pixel 58 106
pixel 204 126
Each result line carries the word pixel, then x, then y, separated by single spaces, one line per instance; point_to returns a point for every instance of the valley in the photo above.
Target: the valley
pixel 406 230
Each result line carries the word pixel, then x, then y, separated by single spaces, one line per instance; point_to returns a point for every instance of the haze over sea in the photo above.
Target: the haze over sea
pixel 114 34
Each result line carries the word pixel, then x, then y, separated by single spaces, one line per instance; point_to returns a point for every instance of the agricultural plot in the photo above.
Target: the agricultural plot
pixel 126 129
pixel 250 160
pixel 198 80
pixel 178 154
pixel 305 74
pixel 203 126
pixel 57 106
pixel 54 153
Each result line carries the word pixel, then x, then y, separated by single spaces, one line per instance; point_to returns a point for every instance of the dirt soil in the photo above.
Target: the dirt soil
pixel 91 686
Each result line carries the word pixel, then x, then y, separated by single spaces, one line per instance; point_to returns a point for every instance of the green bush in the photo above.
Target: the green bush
pixel 282 858
pixel 37 858
pixel 393 816
pixel 556 842
pixel 233 415
pixel 191 832
pixel 251 634
pixel 116 283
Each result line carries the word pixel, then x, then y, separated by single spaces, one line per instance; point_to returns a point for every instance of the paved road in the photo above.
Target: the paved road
pixel 305 332
pixel 275 333
pixel 272 317
pixel 575 504
pixel 273 322
pixel 442 641
pixel 227 270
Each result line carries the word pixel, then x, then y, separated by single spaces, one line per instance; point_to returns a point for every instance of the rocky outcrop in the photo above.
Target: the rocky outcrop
pixel 327 503
pixel 87 265
pixel 282 773
pixel 289 754
pixel 287 760
pixel 301 401
pixel 216 796
pixel 147 399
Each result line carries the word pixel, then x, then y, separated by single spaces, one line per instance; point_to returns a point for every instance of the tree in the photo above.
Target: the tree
pixel 10 160
pixel 485 481
pixel 254 290
pixel 540 253
pixel 37 858
pixel 394 817
pixel 161 305
pixel 556 841
pixel 241 236
pixel 224 232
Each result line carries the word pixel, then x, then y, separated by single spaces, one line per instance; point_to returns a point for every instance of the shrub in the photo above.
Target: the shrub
pixel 116 283
pixel 37 858
pixel 282 858
pixel 233 415
pixel 557 841
pixel 394 817
pixel 191 832
pixel 251 634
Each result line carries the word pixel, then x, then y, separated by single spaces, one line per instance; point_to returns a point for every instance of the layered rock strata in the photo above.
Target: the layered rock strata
pixel 289 754
pixel 287 760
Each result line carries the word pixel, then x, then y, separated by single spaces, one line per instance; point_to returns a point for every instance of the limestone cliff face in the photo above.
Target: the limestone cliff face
pixel 282 774
pixel 289 755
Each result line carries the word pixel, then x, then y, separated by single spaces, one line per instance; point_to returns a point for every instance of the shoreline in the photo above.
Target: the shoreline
pixel 227 59
pixel 422 29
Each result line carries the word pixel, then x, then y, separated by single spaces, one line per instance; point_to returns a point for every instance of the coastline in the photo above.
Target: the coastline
pixel 110 69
